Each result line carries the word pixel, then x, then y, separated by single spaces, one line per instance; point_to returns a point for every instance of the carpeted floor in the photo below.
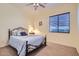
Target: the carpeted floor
pixel 51 49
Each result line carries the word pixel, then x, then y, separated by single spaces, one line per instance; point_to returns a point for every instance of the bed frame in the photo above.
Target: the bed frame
pixel 27 45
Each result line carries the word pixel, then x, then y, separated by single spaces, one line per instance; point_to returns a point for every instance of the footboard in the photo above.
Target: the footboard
pixel 27 46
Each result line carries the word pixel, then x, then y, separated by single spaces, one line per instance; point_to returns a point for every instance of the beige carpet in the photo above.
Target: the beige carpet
pixel 8 51
pixel 51 49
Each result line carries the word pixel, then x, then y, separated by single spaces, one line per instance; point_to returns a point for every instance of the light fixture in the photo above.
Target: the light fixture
pixel 36 5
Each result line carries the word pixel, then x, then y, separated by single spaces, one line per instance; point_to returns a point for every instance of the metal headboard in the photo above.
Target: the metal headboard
pixel 18 28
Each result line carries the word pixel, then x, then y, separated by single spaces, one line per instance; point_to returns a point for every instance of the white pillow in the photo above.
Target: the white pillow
pixel 14 33
pixel 18 33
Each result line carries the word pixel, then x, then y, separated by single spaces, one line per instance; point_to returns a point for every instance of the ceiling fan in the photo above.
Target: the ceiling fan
pixel 36 5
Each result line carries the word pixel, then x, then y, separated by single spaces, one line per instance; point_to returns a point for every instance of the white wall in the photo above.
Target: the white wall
pixel 10 17
pixel 78 16
pixel 70 39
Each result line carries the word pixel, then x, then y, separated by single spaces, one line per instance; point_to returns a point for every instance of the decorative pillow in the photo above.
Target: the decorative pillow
pixel 23 33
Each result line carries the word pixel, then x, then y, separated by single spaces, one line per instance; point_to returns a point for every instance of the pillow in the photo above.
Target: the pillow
pixel 18 33
pixel 14 33
pixel 23 33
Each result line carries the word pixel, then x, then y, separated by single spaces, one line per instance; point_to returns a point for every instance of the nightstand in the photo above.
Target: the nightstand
pixel 31 33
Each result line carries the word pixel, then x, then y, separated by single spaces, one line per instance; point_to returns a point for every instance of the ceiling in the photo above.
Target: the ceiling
pixel 46 4
pixel 23 8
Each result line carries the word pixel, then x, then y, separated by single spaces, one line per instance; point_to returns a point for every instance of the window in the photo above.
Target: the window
pixel 60 23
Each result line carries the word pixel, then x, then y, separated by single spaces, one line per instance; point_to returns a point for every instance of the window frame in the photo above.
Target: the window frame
pixel 58 22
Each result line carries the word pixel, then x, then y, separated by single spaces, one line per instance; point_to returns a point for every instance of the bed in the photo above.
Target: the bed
pixel 24 43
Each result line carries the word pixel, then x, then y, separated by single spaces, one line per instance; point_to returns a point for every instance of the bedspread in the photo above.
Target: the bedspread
pixel 19 42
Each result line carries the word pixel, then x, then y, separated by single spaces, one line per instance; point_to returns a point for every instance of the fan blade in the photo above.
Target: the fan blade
pixel 29 4
pixel 41 5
